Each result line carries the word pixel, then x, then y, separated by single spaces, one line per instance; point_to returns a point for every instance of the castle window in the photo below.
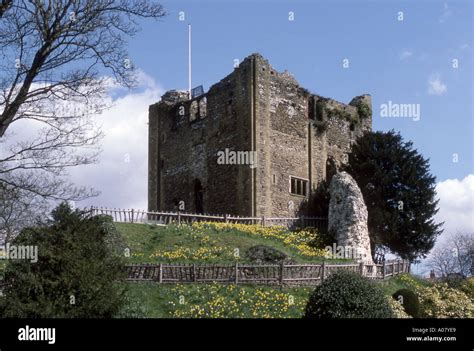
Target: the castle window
pixel 298 186
pixel 193 110
pixel 203 107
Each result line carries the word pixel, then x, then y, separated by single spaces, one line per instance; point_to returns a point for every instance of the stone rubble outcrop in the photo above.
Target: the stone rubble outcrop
pixel 347 218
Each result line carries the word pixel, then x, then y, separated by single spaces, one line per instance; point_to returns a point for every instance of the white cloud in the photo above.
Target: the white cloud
pixel 436 86
pixel 445 14
pixel 456 210
pixel 122 172
pixel 405 54
pixel 456 204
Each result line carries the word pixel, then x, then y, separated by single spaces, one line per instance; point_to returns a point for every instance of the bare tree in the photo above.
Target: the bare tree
pixel 455 256
pixel 463 248
pixel 18 209
pixel 442 261
pixel 55 58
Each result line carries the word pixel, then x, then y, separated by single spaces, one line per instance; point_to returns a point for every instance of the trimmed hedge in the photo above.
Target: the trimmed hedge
pixel 347 295
pixel 409 301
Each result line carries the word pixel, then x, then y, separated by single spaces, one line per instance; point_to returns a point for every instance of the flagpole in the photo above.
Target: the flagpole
pixel 189 60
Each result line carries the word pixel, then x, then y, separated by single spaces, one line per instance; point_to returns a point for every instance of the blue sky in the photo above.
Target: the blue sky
pixel 390 59
pixel 406 62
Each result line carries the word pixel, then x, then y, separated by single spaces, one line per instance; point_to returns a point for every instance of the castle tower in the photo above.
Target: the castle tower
pixel 298 139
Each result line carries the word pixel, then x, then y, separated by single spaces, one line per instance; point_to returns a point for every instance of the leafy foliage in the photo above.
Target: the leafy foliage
pixel 440 301
pixel 454 281
pixel 78 272
pixel 397 309
pixel 467 287
pixel 364 110
pixel 399 192
pixel 347 295
pixel 409 301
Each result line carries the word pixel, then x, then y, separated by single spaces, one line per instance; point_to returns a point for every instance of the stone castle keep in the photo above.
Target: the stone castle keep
pixel 298 139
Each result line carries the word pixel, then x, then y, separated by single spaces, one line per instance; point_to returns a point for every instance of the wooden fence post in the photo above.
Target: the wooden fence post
pixel 323 271
pixel 225 219
pixel 361 268
pixel 282 266
pixel 194 273
pixel 160 274
pixel 263 221
pixel 236 272
pixel 383 269
pixel 132 215
pixel 179 218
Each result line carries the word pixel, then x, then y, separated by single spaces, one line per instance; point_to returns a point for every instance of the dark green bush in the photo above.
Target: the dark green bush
pixel 467 287
pixel 454 281
pixel 409 301
pixel 266 254
pixel 77 274
pixel 346 294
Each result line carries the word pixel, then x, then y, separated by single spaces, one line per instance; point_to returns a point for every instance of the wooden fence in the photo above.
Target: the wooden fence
pixel 266 274
pixel 141 216
pixel 283 274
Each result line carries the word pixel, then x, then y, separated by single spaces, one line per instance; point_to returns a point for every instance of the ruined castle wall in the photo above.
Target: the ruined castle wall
pixel 295 134
pixel 298 135
pixel 230 185
pixel 282 133
pixel 153 157
pixel 345 123
pixel 183 149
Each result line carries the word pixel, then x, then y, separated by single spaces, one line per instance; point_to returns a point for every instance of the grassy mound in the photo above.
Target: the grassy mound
pixel 402 281
pixel 215 242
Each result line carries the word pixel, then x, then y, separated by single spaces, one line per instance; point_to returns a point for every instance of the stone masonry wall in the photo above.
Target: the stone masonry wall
pixel 295 133
pixel 282 132
pixel 183 148
pixel 299 135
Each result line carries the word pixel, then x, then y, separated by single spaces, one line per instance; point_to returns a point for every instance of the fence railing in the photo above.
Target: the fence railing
pixel 267 274
pixel 142 216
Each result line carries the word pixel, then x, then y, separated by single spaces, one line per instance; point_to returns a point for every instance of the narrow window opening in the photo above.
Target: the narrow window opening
pixel 298 186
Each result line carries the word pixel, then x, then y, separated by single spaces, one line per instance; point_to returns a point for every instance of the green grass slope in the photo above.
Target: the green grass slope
pixel 215 243
pixel 148 300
